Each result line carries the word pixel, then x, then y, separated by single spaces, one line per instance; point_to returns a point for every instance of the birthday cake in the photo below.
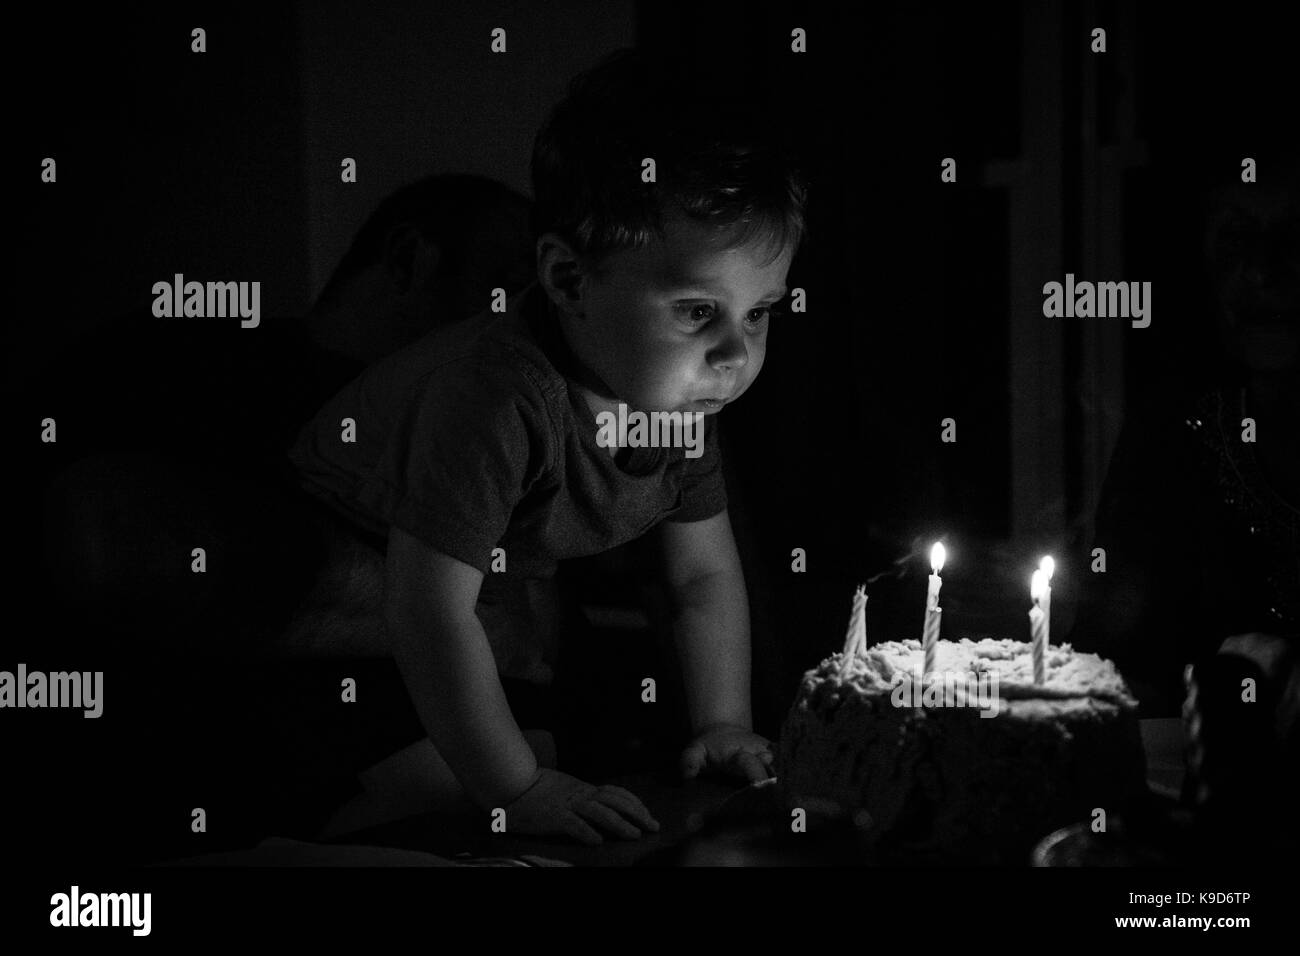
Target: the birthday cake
pixel 975 762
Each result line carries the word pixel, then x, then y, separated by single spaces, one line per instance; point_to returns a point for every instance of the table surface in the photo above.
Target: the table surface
pixel 1162 739
pixel 684 810
pixel 680 807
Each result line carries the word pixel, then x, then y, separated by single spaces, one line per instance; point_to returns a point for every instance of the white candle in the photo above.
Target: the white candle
pixel 860 620
pixel 1048 567
pixel 937 556
pixel 1038 626
pixel 930 638
pixel 855 640
pixel 930 630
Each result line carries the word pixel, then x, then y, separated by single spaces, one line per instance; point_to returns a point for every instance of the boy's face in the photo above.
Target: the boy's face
pixel 680 325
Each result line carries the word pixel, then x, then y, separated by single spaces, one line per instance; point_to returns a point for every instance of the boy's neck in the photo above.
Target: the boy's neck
pixel 597 404
pixel 596 395
pixel 595 400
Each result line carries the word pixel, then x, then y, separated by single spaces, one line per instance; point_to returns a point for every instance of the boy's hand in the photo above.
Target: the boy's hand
pixel 1274 655
pixel 729 749
pixel 1269 651
pixel 557 803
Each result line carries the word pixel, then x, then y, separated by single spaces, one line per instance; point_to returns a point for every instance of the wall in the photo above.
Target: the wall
pixel 410 88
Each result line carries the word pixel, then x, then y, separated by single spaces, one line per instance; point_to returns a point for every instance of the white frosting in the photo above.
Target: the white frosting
pixel 1070 674
pixel 934 778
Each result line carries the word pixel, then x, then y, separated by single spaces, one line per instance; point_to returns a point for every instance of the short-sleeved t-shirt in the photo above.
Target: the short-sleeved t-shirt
pixel 472 439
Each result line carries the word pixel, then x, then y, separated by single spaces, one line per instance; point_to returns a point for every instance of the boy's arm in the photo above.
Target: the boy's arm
pixel 710 609
pixel 448 667
pixel 449 670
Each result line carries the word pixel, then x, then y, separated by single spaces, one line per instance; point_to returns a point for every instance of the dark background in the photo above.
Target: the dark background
pixel 924 297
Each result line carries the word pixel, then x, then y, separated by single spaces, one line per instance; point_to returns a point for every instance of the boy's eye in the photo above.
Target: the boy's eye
pixel 698 313
pixel 693 313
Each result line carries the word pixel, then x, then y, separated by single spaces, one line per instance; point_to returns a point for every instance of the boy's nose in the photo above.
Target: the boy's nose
pixel 729 351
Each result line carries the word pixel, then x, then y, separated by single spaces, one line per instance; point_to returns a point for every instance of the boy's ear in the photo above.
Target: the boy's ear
pixel 560 273
pixel 410 260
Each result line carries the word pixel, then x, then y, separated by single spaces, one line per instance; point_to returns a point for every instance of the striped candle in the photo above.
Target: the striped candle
pixel 930 638
pixel 1038 626
pixel 855 639
pixel 1048 567
pixel 930 631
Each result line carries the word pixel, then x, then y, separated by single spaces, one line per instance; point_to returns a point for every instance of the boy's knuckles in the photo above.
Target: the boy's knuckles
pixel 609 820
pixel 578 828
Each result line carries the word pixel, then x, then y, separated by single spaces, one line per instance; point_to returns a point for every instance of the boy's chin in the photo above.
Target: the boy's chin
pixel 683 407
pixel 707 408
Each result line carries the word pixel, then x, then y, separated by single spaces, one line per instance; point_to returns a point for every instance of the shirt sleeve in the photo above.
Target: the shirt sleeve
pixel 465 448
pixel 704 493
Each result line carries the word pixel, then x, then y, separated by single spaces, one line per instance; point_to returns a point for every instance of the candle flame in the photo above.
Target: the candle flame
pixel 1038 585
pixel 1047 566
pixel 937 555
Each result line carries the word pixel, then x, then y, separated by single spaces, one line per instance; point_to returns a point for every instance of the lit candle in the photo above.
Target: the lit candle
pixel 1047 566
pixel 855 640
pixel 1038 626
pixel 930 632
pixel 860 620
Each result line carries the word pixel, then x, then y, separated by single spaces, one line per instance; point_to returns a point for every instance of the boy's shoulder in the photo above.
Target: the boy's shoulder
pixel 490 353
pixel 510 346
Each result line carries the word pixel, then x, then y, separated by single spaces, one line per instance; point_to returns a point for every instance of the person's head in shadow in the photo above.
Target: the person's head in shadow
pixel 430 254
pixel 1252 258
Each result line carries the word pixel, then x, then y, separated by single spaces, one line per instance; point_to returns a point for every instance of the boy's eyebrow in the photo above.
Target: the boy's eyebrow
pixel 687 285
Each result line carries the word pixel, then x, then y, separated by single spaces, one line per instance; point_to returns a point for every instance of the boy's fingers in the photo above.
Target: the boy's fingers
pixel 627 803
pixel 693 758
pixel 578 828
pixel 607 818
pixel 751 767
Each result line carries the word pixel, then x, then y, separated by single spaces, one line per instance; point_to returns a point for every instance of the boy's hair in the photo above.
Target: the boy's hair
pixel 719 160
pixel 469 217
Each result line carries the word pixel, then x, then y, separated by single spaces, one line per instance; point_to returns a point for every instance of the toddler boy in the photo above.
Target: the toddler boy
pixel 473 454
